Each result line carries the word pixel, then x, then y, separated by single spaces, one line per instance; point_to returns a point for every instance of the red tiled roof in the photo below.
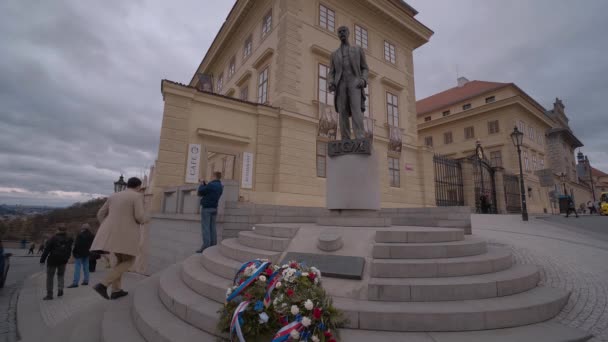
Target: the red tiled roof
pixel 597 173
pixel 455 95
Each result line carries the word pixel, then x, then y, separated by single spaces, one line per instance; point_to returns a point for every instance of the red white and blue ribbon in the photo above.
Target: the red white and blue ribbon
pixel 248 282
pixel 243 267
pixel 274 279
pixel 283 334
pixel 235 324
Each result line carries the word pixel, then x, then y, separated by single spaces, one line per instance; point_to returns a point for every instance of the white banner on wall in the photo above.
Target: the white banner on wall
pixel 193 163
pixel 247 178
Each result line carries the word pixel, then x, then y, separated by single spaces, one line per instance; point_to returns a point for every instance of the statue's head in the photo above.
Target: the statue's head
pixel 343 33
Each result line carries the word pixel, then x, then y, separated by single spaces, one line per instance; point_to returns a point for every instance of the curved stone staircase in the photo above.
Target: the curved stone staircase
pixel 419 280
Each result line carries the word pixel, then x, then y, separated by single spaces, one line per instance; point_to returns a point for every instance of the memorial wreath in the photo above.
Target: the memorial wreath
pixel 279 303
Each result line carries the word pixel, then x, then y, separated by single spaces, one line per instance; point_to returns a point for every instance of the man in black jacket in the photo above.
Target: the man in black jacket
pixel 81 253
pixel 57 250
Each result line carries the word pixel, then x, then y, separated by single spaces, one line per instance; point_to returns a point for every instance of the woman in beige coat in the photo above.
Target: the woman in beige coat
pixel 120 218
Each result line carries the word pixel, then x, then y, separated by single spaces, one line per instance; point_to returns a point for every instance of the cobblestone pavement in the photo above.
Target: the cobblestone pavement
pixel 21 268
pixel 572 259
pixel 594 225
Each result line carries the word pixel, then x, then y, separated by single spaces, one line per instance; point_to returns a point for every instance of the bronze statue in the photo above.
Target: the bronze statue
pixel 347 78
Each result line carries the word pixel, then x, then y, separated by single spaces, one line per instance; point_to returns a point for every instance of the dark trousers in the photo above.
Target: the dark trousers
pixel 50 274
pixel 349 101
pixel 571 210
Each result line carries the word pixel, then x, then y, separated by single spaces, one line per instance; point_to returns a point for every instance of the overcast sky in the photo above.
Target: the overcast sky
pixel 80 98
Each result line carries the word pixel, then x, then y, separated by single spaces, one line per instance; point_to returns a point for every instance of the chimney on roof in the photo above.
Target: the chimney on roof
pixel 462 81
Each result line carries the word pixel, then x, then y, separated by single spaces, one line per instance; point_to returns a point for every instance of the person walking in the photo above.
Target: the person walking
pixel 56 255
pixel 41 247
pixel 82 245
pixel 571 208
pixel 210 194
pixel 120 218
pixel 591 207
pixel 32 247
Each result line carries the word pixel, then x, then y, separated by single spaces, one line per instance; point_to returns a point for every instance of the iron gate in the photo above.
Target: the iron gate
pixel 448 182
pixel 512 194
pixel 485 186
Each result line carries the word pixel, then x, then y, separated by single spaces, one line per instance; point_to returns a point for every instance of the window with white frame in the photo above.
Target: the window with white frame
pixel 392 109
pixel 448 138
pixel 534 163
pixel 267 24
pixel 232 67
pixel 428 141
pixel 496 158
pixel 393 172
pixel 539 137
pixel 389 52
pixel 321 159
pixel 360 36
pixel 248 47
pixel 542 163
pixel 324 95
pixel 531 133
pixel 220 83
pixel 469 132
pixel 493 127
pixel 327 18
pixel 263 86
pixel 244 93
pixel 526 161
pixel 521 127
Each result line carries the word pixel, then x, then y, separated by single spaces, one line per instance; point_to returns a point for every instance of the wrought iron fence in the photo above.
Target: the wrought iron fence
pixel 448 182
pixel 512 194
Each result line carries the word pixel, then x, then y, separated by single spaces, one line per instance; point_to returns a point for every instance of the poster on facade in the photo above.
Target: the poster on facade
pixel 545 176
pixel 247 177
pixel 193 163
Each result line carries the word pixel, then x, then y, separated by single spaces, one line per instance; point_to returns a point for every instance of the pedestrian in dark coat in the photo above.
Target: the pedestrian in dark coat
pixel 56 255
pixel 81 253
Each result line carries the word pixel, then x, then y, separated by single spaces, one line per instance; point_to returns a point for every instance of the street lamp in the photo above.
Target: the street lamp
pixel 564 177
pixel 120 185
pixel 518 138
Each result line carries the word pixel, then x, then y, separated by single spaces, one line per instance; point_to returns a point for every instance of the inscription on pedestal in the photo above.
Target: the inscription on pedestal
pixel 342 147
pixel 333 266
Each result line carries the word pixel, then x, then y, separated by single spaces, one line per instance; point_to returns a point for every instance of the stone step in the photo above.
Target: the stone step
pixel 270 243
pixel 534 306
pixel 452 249
pixel 202 281
pixel 276 230
pixel 218 264
pixel 514 280
pixel 540 332
pixel 496 259
pixel 189 306
pixel 419 235
pixel 426 221
pixel 157 324
pixel 231 248
pixel 118 325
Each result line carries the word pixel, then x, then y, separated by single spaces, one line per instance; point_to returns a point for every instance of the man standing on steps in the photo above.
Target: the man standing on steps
pixel 56 255
pixel 83 243
pixel 120 218
pixel 210 194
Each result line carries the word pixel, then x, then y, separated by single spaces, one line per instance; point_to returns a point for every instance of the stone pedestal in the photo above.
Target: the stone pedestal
pixel 353 182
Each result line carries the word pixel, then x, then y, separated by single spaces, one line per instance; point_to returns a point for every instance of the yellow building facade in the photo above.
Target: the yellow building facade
pixel 257 106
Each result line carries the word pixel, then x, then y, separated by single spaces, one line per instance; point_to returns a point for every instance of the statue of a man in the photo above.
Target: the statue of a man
pixel 347 79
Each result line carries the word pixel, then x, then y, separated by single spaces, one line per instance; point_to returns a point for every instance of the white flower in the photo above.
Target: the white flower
pixel 304 274
pixel 229 291
pixel 316 271
pixel 263 279
pixel 263 318
pixel 315 338
pixel 316 281
pixel 294 310
pixel 306 321
pixel 279 284
pixel 309 304
pixel 294 334
pixel 284 304
pixel 249 271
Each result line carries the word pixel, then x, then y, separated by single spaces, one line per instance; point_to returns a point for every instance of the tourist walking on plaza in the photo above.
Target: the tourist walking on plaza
pixel 82 245
pixel 56 255
pixel 571 208
pixel 210 194
pixel 32 248
pixel 120 218
pixel 41 247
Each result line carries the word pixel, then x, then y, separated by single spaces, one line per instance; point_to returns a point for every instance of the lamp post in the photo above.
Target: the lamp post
pixel 518 138
pixel 564 177
pixel 479 154
pixel 120 185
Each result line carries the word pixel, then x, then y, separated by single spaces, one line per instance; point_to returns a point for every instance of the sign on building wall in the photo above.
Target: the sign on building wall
pixel 247 178
pixel 193 163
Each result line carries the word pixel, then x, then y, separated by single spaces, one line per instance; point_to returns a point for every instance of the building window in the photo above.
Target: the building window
pixel 447 138
pixel 522 127
pixel 428 141
pixel 389 52
pixel 446 113
pixel 526 161
pixel 539 137
pixel 493 127
pixel 263 86
pixel 393 172
pixel 427 119
pixel 220 83
pixel 361 36
pixel 392 109
pixel 232 67
pixel 469 132
pixel 327 18
pixel 531 133
pixel 466 106
pixel 321 159
pixel 244 93
pixel 267 24
pixel 496 158
pixel 248 47
pixel 490 99
pixel 367 112
pixel 324 94
pixel 534 163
